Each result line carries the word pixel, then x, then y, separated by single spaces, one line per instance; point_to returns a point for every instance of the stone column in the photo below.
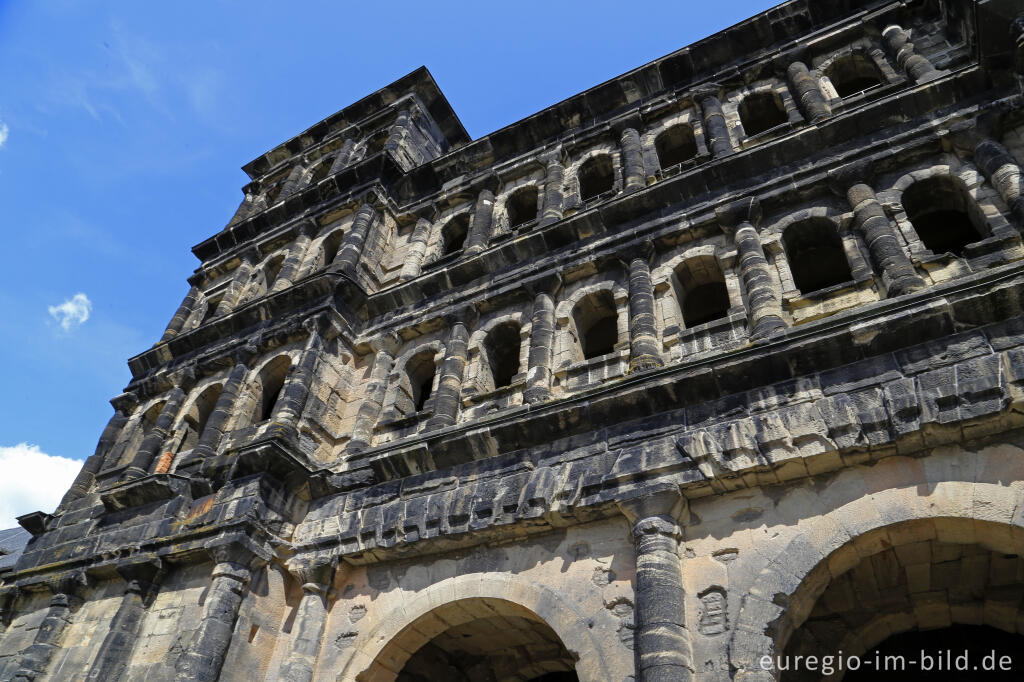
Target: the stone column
pixel 634 175
pixel 204 657
pixel 716 132
pixel 664 652
pixel 239 283
pixel 369 409
pixel 480 228
pixel 553 199
pixel 449 387
pixel 542 345
pixel 352 243
pixel 1002 171
pixel 33 661
pixel 417 250
pixel 897 43
pixel 153 443
pixel 317 575
pixel 343 157
pixel 124 405
pixel 209 439
pixel 284 421
pixel 297 177
pixel 764 311
pixel 643 334
pixel 181 315
pixel 142 581
pixel 887 255
pixel 808 95
pixel 293 261
pixel 399 131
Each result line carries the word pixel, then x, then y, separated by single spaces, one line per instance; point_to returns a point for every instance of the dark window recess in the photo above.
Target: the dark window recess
pixel 211 308
pixel 502 346
pixel 273 270
pixel 271 383
pixel 596 324
pixel 761 111
pixel 815 254
pixel 331 245
pixel 675 145
pixel 938 209
pixel 420 377
pixel 853 74
pixel 321 171
pixel 703 296
pixel 521 206
pixel 596 176
pixel 453 234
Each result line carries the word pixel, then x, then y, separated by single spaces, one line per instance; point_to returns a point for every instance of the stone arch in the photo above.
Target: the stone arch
pixel 140 426
pixel 675 144
pixel 951 496
pixel 852 72
pixel 522 206
pixel 401 397
pixel 263 390
pixel 940 209
pixel 479 372
pixel 568 344
pixel 596 176
pixel 761 111
pixel 195 413
pixel 814 253
pixel 385 641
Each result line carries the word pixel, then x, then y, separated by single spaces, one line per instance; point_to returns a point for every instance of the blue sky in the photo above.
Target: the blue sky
pixel 124 126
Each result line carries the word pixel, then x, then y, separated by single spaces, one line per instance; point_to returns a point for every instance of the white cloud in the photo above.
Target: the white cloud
pixel 5 132
pixel 31 480
pixel 72 312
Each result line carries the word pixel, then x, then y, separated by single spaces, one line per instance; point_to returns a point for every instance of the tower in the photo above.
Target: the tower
pixel 714 365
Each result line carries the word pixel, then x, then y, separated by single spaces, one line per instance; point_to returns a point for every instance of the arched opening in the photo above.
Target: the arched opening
pixel 502 348
pixel 922 589
pixel 272 270
pixel 453 234
pixel 197 415
pixel 142 429
pixel 321 170
pixel 815 254
pixel 701 291
pixel 331 244
pixel 417 383
pixel 521 206
pixel 273 193
pixel 675 145
pixel 938 209
pixel 596 176
pixel 268 386
pixel 762 111
pixel 596 320
pixel 478 640
pixel 212 303
pixel 853 74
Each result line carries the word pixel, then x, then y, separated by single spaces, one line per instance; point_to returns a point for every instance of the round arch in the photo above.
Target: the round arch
pixel 954 497
pixel 382 651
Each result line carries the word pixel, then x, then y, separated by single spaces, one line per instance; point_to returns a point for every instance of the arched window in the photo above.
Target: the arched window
pixel 416 384
pixel 853 74
pixel 502 348
pixel 701 291
pixel 268 386
pixel 331 245
pixel 453 234
pixel 938 208
pixel 596 176
pixel 272 270
pixel 675 145
pixel 321 170
pixel 596 321
pixel 198 414
pixel 521 206
pixel 273 193
pixel 761 111
pixel 211 308
pixel 815 254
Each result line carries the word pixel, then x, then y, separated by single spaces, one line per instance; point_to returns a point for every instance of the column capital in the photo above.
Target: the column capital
pixel 388 342
pixel 315 573
pixel 664 501
pixel 731 215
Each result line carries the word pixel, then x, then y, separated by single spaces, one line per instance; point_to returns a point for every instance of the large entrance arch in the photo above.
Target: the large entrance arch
pixel 481 628
pixel 931 546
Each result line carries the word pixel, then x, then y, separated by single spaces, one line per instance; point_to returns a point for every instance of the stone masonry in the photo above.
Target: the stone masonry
pixel 717 363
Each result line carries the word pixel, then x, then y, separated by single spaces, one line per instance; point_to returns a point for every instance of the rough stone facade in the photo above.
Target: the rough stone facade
pixel 719 360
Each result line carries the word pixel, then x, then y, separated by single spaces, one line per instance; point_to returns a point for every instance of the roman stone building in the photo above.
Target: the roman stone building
pixel 718 363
